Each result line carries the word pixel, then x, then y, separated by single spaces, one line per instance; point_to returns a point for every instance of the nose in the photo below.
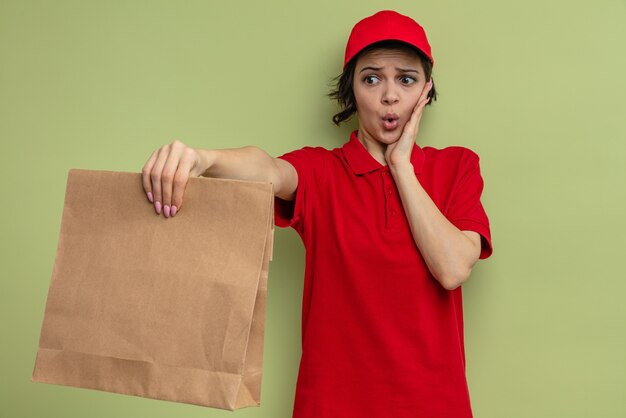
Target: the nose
pixel 390 96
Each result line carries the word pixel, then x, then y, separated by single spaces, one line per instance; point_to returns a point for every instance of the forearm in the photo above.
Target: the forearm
pixel 446 250
pixel 245 163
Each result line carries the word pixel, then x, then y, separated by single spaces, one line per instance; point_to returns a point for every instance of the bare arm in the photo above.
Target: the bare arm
pixel 250 163
pixel 167 171
pixel 449 252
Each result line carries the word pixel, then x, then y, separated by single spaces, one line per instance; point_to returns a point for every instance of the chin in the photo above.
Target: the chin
pixel 389 137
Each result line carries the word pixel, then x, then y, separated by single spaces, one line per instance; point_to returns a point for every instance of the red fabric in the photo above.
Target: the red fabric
pixel 386 25
pixel 380 336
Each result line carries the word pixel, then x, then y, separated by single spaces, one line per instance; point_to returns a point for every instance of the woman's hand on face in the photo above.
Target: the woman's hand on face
pixel 399 152
pixel 166 173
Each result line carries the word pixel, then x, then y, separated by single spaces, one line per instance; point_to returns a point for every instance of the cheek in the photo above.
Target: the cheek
pixel 412 102
pixel 363 101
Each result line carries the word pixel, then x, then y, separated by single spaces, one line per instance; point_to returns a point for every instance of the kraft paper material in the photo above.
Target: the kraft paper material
pixel 163 308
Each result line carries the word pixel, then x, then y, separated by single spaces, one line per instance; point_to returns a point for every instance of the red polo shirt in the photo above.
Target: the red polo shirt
pixel 381 338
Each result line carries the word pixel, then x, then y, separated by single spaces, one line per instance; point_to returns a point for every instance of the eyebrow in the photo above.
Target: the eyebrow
pixel 404 70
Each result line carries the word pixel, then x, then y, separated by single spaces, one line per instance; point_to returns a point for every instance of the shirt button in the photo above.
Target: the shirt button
pixel 389 191
pixel 393 213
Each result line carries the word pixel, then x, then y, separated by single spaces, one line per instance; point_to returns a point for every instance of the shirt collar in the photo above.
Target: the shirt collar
pixel 361 161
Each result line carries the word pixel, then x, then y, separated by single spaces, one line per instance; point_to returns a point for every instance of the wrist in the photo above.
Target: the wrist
pixel 400 168
pixel 205 159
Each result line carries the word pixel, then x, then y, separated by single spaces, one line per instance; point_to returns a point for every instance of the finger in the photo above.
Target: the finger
pixel 417 113
pixel 155 176
pixel 180 183
pixel 428 86
pixel 167 179
pixel 145 175
pixel 426 90
pixel 423 100
pixel 412 125
pixel 420 105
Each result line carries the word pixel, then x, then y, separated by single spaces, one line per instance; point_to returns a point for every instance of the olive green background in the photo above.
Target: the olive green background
pixel 536 88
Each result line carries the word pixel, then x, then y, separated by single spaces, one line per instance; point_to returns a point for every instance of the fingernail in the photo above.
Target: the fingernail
pixel 150 198
pixel 166 210
pixel 174 209
pixel 157 206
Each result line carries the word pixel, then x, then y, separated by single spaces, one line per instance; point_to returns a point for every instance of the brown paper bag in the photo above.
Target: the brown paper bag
pixel 163 308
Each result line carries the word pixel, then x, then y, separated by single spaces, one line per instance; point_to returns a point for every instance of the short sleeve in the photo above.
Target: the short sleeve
pixel 309 164
pixel 466 211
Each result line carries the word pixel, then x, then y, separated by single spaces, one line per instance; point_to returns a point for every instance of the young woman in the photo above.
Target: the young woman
pixel 391 231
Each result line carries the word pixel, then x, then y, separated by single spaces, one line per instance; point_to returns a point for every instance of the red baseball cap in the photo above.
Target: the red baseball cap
pixel 386 25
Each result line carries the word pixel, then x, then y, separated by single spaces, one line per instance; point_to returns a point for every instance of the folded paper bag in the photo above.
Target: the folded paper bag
pixel 163 308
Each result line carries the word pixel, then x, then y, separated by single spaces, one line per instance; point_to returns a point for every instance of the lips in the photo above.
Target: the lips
pixel 390 121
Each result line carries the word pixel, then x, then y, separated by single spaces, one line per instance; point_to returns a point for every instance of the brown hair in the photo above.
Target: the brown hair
pixel 343 92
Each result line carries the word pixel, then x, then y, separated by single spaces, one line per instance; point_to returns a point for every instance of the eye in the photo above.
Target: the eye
pixel 370 79
pixel 407 80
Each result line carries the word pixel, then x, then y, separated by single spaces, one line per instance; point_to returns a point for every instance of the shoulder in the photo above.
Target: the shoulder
pixel 452 156
pixel 307 161
pixel 451 152
pixel 305 154
pixel 299 168
pixel 308 149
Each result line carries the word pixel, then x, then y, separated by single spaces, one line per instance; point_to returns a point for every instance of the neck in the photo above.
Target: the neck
pixel 375 148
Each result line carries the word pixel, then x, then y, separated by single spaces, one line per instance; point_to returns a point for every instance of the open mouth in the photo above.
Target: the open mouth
pixel 390 121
